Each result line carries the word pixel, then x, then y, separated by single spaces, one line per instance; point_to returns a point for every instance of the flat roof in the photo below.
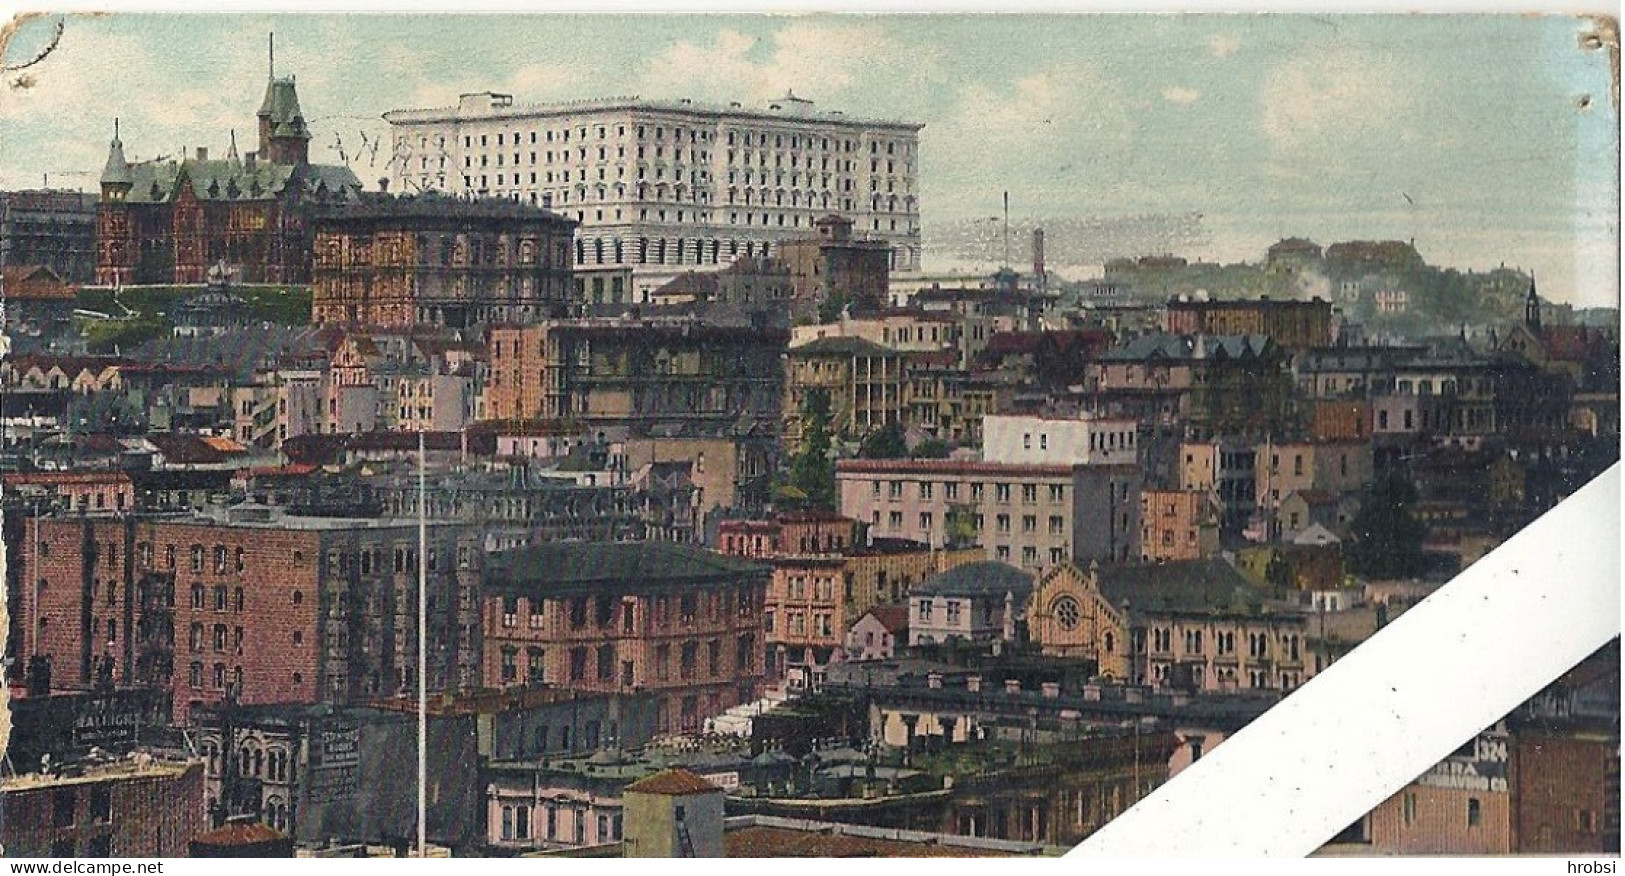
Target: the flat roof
pixel 491 110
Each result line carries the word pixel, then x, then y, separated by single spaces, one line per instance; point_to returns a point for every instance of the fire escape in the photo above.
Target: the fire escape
pixel 155 629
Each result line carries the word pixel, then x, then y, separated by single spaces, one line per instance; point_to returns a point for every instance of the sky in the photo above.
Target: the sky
pixel 1487 139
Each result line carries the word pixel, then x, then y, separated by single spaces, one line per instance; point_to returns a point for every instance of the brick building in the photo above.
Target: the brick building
pixel 400 261
pixel 804 617
pixel 678 621
pixel 140 808
pixel 54 228
pixel 1459 807
pixel 631 372
pixel 1291 324
pixel 832 268
pixel 170 221
pixel 279 609
pixel 1179 524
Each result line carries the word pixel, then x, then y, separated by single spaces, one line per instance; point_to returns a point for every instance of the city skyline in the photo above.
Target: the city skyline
pixel 1333 128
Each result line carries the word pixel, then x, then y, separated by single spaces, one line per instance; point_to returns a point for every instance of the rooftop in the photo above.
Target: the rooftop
pixel 673 783
pixel 501 106
pixel 986 578
pixel 138 766
pixel 563 565
pixel 764 836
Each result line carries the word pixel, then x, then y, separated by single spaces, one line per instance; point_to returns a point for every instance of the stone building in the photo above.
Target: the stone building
pixel 399 261
pixel 662 186
pixel 672 389
pixel 862 383
pixel 1031 515
pixel 1179 524
pixel 170 220
pixel 1194 626
pixel 681 622
pixel 304 769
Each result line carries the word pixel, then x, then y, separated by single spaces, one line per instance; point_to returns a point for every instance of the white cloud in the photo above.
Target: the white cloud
pixel 1180 94
pixel 1321 97
pixel 1223 45
pixel 1053 124
pixel 817 59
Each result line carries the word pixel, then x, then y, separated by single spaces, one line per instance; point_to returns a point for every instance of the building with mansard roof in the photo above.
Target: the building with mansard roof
pixel 171 219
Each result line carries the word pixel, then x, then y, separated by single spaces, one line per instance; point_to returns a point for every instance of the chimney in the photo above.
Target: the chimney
pixel 974 684
pixel 934 681
pixel 1012 685
pixel 1038 252
pixel 248 159
pixel 383 184
pixel 1052 690
pixel 203 153
pixel 1091 693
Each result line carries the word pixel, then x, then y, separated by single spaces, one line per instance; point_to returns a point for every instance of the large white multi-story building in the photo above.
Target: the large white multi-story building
pixel 1086 439
pixel 667 186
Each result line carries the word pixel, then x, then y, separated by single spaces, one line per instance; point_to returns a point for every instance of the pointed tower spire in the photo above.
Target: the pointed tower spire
pixel 231 153
pixel 1531 306
pixel 117 171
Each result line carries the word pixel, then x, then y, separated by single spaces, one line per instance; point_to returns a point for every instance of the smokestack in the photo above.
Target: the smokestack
pixel 1038 253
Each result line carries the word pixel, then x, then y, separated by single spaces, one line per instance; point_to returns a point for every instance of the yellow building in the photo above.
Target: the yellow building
pixel 1199 625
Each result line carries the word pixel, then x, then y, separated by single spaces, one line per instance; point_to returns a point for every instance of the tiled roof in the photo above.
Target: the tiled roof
pixel 1188 586
pixel 1189 347
pixel 893 617
pixel 558 565
pixel 186 449
pixel 986 578
pixel 240 834
pixel 52 287
pixel 673 783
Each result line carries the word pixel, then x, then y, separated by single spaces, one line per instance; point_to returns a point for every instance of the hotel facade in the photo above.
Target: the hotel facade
pixel 663 186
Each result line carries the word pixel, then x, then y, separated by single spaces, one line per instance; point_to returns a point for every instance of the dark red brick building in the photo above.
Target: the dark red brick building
pixel 170 219
pixel 1563 763
pixel 125 809
pixel 677 621
pixel 279 609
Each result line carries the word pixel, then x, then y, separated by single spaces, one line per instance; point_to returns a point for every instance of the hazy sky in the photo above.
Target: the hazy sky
pixel 1487 139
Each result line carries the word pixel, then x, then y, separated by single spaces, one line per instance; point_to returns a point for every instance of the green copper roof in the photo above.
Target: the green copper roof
pixel 281 106
pixel 155 182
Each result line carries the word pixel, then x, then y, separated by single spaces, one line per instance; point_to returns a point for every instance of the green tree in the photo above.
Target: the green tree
pixel 887 442
pixel 812 471
pixel 931 448
pixel 1386 537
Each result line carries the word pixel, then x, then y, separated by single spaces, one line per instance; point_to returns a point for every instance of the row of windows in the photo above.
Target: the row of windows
pixel 977 491
pixel 734 137
pixel 1258 644
pixel 601 663
pixel 516 825
pixel 795 623
pixel 603 610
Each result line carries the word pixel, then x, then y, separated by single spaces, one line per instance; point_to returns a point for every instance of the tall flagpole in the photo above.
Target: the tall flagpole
pixel 423 658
